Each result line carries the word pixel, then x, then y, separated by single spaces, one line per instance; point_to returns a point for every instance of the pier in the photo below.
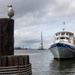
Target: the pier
pixel 10 63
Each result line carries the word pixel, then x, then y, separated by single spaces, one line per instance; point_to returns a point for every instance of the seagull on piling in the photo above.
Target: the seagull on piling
pixel 10 11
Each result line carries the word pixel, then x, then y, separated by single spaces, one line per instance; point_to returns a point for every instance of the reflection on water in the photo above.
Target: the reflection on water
pixel 43 63
pixel 66 67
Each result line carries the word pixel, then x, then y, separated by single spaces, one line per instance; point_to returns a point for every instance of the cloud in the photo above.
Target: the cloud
pixel 33 16
pixel 46 18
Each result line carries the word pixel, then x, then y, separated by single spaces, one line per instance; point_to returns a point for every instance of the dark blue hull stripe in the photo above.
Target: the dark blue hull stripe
pixel 61 45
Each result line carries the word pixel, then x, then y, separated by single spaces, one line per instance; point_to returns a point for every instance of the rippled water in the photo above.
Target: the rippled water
pixel 43 63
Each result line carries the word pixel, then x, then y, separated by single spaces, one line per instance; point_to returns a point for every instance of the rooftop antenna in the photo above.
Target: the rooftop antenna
pixel 64 26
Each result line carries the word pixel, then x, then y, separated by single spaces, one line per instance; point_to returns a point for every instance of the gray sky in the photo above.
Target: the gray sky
pixel 35 16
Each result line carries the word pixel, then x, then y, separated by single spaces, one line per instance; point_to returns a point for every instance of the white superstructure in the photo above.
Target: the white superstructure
pixel 64 36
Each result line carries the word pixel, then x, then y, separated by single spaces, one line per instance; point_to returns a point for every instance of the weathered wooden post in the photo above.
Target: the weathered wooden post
pixel 6 36
pixel 19 64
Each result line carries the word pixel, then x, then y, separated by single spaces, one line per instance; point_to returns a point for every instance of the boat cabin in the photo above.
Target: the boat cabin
pixel 64 36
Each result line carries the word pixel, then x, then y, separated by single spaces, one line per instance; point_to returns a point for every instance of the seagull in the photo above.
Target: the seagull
pixel 10 11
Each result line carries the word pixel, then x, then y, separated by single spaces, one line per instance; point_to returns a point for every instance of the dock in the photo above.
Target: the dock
pixel 10 63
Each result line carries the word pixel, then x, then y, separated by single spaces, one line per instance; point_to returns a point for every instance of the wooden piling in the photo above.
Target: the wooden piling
pixel 6 36
pixel 10 63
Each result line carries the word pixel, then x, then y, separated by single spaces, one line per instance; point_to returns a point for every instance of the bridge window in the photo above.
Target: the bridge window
pixel 62 33
pixel 67 38
pixel 62 37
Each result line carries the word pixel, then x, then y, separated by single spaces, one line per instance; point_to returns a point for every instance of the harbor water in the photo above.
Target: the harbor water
pixel 43 63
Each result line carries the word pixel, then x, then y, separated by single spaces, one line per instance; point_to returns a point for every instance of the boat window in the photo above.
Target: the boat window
pixel 70 34
pixel 62 37
pixel 57 38
pixel 66 33
pixel 62 33
pixel 56 34
pixel 67 38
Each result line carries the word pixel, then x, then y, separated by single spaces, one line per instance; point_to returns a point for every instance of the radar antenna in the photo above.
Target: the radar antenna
pixel 64 26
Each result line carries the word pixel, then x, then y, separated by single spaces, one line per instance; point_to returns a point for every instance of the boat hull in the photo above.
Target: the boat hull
pixel 62 51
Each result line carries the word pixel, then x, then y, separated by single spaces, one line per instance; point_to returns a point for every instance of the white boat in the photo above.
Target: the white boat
pixel 63 46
